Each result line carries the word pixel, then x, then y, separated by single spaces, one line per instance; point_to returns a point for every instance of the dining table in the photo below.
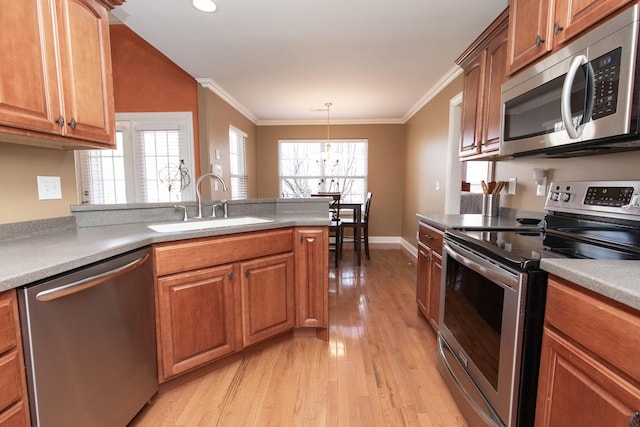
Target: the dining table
pixel 357 230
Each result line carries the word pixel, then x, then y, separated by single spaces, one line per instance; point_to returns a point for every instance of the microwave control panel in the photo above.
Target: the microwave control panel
pixel 606 72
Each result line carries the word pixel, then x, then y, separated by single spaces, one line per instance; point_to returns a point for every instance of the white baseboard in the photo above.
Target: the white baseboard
pixel 392 242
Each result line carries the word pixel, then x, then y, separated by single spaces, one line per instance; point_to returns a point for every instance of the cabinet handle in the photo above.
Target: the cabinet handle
pixel 246 273
pixel 230 275
pixel 426 255
pixel 557 28
pixel 73 123
pixel 60 121
pixel 428 237
pixel 634 420
pixel 539 41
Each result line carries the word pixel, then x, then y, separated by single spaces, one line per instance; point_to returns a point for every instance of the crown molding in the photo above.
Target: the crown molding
pixel 213 87
pixel 444 81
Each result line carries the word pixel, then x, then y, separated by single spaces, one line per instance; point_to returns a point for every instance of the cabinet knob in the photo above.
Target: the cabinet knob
pixel 230 275
pixel 634 420
pixel 539 41
pixel 73 123
pixel 557 28
pixel 60 121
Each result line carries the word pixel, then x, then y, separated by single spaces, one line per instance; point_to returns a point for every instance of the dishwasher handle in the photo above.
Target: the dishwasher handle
pixel 89 282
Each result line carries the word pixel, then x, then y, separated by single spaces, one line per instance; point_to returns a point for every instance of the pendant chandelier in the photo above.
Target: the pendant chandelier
pixel 327 158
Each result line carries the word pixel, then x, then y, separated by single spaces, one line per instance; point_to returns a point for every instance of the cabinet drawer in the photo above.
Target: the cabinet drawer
pixel 10 381
pixel 8 339
pixel 607 328
pixel 187 255
pixel 431 237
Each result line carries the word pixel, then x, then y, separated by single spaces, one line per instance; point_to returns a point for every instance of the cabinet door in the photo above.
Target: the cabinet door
pixel 435 275
pixel 495 77
pixel 422 283
pixel 472 100
pixel 29 96
pixel 83 31
pixel 14 408
pixel 573 17
pixel 577 390
pixel 196 322
pixel 312 277
pixel 267 297
pixel 529 32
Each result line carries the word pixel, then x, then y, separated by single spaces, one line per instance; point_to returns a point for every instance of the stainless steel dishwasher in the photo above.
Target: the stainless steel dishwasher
pixel 89 341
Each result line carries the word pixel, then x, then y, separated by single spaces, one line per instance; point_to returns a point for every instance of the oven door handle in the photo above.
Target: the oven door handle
pixel 487 269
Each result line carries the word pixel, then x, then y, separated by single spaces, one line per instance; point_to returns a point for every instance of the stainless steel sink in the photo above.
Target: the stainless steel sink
pixel 206 224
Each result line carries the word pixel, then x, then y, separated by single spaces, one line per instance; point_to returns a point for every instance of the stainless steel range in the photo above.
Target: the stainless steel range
pixel 493 294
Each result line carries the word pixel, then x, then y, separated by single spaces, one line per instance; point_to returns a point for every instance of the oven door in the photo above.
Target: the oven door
pixel 481 324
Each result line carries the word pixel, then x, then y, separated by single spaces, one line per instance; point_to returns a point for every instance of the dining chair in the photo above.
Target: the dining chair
pixel 335 227
pixel 364 226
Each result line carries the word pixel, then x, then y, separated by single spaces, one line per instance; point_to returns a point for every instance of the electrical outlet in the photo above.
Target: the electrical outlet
pixel 511 186
pixel 49 188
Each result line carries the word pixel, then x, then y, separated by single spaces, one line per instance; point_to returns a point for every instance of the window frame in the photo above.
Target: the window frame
pixel 131 123
pixel 325 175
pixel 242 192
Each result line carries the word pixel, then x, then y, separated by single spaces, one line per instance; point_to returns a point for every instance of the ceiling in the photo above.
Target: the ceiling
pixel 280 61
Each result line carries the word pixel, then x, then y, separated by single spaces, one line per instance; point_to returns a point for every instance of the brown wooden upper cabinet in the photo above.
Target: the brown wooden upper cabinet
pixel 537 27
pixel 56 85
pixel 484 65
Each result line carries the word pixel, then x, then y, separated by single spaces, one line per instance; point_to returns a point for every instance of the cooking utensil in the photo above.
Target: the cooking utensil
pixel 485 190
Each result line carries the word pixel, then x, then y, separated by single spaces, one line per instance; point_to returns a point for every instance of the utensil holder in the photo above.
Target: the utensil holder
pixel 490 204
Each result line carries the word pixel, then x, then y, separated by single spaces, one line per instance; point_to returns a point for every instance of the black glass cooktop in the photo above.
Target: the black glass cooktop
pixel 520 249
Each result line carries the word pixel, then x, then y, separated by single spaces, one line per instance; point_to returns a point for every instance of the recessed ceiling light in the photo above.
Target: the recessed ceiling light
pixel 205 5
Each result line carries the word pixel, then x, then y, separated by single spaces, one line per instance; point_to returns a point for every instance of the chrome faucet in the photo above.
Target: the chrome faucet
pixel 199 196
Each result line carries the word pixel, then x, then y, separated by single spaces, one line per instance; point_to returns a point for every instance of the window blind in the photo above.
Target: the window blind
pixel 238 163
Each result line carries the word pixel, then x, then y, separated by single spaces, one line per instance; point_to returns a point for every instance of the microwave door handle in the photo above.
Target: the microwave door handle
pixel 565 103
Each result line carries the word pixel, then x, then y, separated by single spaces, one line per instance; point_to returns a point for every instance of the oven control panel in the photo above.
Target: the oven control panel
pixel 616 197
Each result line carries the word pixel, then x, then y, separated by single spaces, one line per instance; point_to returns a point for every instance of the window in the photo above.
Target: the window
pixel 152 162
pixel 237 159
pixel 302 174
pixel 473 172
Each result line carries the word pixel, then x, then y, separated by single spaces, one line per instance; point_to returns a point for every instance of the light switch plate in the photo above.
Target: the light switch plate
pixel 49 188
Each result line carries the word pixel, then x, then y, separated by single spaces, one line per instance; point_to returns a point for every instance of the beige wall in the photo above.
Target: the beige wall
pixel 19 191
pixel 385 167
pixel 427 134
pixel 622 166
pixel 216 116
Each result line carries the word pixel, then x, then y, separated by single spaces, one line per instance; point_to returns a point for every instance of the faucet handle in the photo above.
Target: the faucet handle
pixel 185 211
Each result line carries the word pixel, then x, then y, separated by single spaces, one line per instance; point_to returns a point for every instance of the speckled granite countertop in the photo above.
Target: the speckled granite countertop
pixel 36 250
pixel 618 280
pixel 507 219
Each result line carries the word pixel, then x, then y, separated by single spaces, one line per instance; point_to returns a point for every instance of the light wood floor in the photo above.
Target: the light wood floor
pixel 378 368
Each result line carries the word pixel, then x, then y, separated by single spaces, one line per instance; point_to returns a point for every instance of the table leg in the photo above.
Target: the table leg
pixel 356 235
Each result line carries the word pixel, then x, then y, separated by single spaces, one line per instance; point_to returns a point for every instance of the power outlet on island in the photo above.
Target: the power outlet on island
pixel 49 188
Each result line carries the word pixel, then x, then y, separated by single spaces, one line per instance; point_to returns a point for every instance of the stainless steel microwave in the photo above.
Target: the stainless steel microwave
pixel 581 100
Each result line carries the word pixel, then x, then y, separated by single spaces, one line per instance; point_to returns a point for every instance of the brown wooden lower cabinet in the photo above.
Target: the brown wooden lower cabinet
pixel 196 318
pixel 429 272
pixel 14 406
pixel 268 299
pixel 217 295
pixel 590 365
pixel 312 278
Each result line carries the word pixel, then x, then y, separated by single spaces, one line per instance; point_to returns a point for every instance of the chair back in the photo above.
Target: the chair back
pixel 334 204
pixel 367 205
